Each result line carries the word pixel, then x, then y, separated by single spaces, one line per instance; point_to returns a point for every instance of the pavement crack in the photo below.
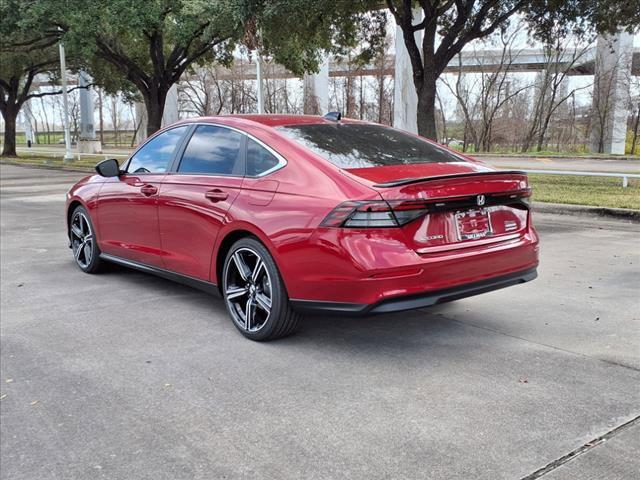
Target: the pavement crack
pixel 493 330
pixel 582 449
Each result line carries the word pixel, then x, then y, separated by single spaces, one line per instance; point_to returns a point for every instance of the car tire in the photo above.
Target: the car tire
pixel 253 288
pixel 84 244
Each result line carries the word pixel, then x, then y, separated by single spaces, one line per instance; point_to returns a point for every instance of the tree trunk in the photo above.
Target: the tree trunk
pixel 541 134
pixel 350 97
pixel 9 147
pixel 427 108
pixel 154 102
pixel 444 122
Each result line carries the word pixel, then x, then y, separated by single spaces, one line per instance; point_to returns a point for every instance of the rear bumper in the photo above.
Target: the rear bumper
pixel 411 302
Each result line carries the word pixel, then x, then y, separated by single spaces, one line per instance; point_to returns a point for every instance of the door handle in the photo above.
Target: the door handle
pixel 148 190
pixel 216 195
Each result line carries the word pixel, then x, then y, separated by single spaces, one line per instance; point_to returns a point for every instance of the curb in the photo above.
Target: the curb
pixel 566 209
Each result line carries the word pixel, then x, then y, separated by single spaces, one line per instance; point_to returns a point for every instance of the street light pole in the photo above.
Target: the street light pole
pixel 68 156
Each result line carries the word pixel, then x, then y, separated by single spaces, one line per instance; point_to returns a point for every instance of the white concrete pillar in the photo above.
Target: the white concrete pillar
pixel 405 98
pixel 611 93
pixel 28 123
pixel 140 122
pixel 87 131
pixel 87 143
pixel 170 113
pixel 316 91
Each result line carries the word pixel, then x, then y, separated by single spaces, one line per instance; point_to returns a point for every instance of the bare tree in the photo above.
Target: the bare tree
pixel 383 84
pixel 74 111
pixel 115 109
pixel 482 101
pixel 443 125
pixel 45 118
pixel 636 131
pixel 202 93
pixel 100 105
pixel 561 58
pixel 634 106
pixel 277 91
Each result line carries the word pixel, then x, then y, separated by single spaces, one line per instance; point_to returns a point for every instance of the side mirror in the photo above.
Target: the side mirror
pixel 108 168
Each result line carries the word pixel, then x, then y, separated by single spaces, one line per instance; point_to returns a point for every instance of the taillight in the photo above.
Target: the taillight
pixel 374 214
pixel 395 213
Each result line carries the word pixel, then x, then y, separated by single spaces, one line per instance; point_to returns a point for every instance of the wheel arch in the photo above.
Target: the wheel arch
pixel 227 239
pixel 73 204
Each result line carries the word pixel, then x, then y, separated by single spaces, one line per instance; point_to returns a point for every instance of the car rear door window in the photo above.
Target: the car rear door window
pixel 259 159
pixel 213 150
pixel 155 156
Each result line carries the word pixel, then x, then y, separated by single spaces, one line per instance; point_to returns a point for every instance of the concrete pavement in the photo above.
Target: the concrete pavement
pixel 123 375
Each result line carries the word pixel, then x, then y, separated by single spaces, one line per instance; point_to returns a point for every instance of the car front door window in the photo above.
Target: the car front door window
pixel 156 155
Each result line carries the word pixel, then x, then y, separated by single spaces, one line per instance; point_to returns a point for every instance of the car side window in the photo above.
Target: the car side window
pixel 213 150
pixel 156 155
pixel 259 159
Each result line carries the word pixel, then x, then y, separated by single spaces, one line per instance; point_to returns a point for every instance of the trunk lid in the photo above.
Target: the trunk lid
pixel 466 204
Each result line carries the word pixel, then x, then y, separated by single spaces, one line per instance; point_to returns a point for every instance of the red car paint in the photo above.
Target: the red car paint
pixel 180 222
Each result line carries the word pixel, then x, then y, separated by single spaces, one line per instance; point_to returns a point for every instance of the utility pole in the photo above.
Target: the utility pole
pixel 68 156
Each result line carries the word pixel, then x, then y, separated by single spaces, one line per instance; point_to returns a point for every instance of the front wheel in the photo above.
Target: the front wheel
pixel 254 293
pixel 83 241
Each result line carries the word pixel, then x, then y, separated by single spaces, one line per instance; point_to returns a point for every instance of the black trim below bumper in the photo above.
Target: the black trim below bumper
pixel 411 302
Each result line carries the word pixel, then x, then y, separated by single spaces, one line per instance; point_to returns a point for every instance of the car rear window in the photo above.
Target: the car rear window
pixel 351 145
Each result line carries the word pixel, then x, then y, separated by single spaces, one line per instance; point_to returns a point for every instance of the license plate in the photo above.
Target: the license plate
pixel 473 224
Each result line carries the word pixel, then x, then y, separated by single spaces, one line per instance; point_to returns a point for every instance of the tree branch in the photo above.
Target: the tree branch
pixel 58 92
pixel 404 20
pixel 119 59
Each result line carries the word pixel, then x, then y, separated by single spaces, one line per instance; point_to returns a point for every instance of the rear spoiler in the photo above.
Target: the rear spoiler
pixel 407 181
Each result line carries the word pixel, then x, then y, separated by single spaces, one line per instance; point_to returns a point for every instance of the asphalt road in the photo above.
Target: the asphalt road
pixel 611 165
pixel 122 375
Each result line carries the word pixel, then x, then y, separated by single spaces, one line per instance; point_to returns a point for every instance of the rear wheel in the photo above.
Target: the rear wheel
pixel 83 241
pixel 254 293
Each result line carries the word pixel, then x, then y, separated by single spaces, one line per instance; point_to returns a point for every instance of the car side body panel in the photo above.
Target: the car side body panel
pixel 192 210
pixel 128 218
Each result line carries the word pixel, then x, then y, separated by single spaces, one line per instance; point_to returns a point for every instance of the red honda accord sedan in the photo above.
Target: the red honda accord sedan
pixel 284 214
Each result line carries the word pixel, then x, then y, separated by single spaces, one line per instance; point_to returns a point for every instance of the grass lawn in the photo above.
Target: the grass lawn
pixel 593 191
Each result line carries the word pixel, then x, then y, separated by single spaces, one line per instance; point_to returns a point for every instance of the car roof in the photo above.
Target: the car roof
pixel 271 120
